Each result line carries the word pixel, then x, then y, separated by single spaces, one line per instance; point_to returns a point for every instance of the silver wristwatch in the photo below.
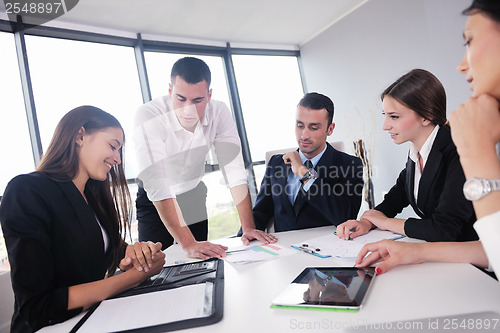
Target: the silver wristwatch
pixel 310 173
pixel 476 188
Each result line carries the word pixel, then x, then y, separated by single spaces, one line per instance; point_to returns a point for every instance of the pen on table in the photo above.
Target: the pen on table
pixel 316 249
pixel 233 251
pixel 311 250
pixel 305 249
pixel 335 233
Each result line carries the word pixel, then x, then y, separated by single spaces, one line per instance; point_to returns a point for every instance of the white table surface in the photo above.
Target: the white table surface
pixel 406 293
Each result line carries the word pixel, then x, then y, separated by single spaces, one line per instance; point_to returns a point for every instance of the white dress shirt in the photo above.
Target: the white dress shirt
pixel 488 230
pixel 424 152
pixel 105 236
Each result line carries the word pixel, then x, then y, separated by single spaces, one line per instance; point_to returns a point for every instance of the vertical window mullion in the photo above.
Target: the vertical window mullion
pixel 240 123
pixel 141 69
pixel 29 101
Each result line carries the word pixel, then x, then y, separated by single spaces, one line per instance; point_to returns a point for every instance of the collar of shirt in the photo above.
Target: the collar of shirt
pixel 424 152
pixel 313 160
pixel 426 148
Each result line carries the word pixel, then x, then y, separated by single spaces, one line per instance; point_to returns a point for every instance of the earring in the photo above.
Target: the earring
pixel 80 143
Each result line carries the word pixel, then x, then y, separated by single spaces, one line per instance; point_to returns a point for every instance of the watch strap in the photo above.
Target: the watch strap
pixel 494 184
pixel 305 177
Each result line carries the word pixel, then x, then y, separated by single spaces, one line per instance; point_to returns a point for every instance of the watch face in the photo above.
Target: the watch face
pixel 473 189
pixel 311 173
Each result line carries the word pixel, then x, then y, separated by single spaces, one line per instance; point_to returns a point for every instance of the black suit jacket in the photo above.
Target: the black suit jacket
pixel 332 199
pixel 445 214
pixel 54 242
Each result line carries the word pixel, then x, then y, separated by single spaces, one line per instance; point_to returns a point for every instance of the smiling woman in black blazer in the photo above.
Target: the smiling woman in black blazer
pixel 63 225
pixel 415 110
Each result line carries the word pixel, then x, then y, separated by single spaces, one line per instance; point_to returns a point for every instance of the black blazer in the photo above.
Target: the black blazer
pixel 54 242
pixel 445 214
pixel 332 199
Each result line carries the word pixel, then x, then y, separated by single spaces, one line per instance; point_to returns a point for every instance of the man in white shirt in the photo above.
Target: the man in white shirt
pixel 172 136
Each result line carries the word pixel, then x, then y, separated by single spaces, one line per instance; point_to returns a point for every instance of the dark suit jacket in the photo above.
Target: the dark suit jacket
pixel 445 214
pixel 332 199
pixel 54 242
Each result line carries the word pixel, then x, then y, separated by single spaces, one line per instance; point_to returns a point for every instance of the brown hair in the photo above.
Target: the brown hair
pixel 422 92
pixel 110 199
pixel 317 101
pixel 489 8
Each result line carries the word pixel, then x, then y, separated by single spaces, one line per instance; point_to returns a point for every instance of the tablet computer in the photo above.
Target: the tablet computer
pixel 327 288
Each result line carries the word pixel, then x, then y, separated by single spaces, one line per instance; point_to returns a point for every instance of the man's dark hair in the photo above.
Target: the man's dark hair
pixel 192 70
pixel 316 101
pixel 490 8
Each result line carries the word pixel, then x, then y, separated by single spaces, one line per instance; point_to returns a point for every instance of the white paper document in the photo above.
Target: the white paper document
pixel 149 309
pixel 259 252
pixel 235 243
pixel 331 245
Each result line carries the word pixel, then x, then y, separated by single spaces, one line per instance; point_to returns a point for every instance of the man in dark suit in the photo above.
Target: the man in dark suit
pixel 315 185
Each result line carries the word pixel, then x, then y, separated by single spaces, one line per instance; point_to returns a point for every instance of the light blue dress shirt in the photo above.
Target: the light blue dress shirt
pixel 293 182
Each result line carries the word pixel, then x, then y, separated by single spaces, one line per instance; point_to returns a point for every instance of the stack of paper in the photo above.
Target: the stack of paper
pixel 258 253
pixel 133 312
pixel 238 253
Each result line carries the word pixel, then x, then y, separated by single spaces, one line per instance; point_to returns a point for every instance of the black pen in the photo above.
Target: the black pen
pixel 233 251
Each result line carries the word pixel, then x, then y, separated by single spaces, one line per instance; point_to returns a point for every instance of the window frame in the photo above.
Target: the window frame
pixel 140 46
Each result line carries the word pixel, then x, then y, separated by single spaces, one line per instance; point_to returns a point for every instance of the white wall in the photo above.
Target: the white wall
pixel 359 56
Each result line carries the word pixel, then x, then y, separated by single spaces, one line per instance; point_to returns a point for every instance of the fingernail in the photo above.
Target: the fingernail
pixel 150 265
pixel 378 271
pixel 139 268
pixel 146 269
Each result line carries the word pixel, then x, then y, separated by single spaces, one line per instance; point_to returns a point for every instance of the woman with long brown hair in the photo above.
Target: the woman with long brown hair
pixel 64 224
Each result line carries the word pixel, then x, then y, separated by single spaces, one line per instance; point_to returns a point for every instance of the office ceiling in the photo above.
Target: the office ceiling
pixel 289 22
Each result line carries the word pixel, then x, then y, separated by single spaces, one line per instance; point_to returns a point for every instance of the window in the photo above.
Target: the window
pixel 270 88
pixel 66 74
pixel 17 156
pixel 15 149
pixel 160 64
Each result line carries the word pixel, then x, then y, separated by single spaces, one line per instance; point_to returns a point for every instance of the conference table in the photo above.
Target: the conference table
pixel 429 297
